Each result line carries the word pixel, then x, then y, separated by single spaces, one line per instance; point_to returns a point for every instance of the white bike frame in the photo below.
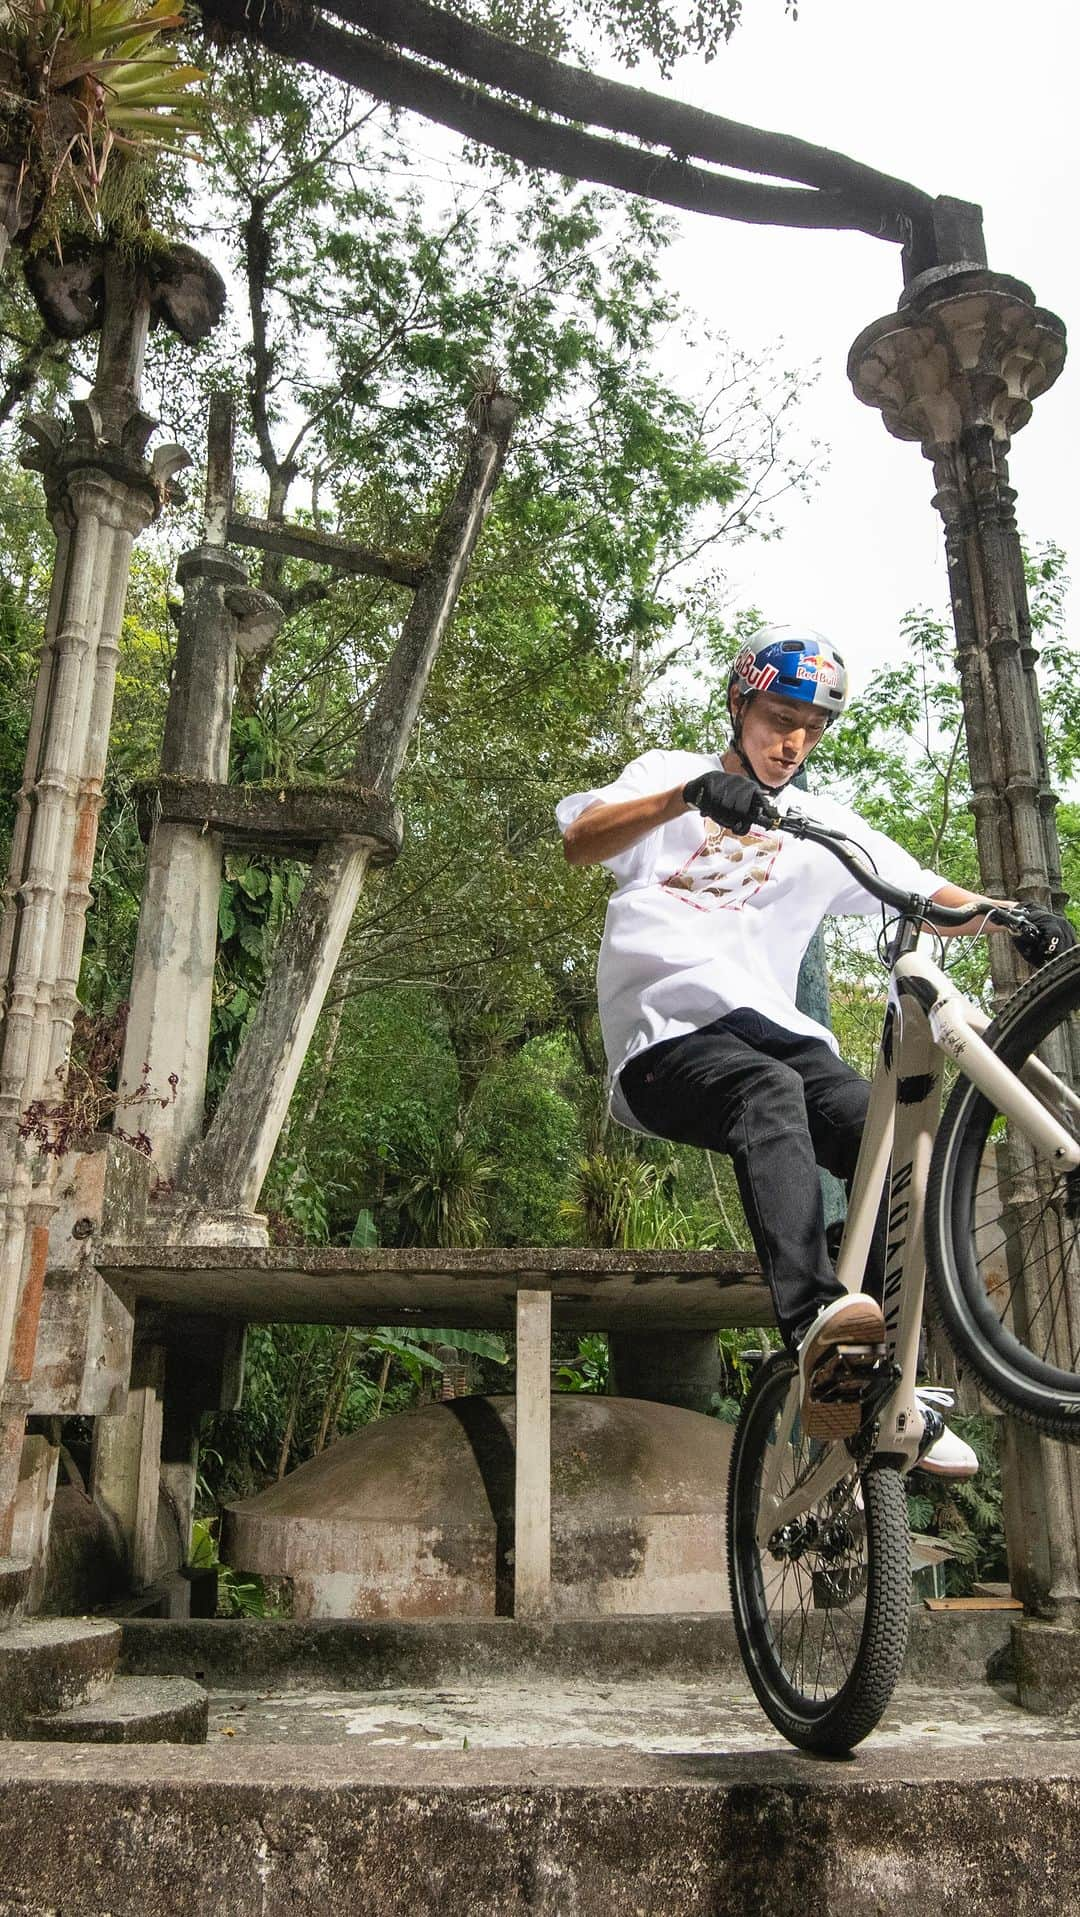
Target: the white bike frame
pixel 926 1016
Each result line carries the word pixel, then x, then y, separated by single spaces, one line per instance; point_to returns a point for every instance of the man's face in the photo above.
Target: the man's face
pixel 778 734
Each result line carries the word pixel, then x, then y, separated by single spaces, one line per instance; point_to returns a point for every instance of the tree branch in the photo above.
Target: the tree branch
pixel 576 94
pixel 362 62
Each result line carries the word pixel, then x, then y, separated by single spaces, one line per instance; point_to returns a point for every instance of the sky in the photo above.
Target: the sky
pixel 973 98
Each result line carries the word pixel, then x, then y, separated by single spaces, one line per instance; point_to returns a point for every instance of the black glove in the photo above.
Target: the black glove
pixel 728 798
pixel 1047 934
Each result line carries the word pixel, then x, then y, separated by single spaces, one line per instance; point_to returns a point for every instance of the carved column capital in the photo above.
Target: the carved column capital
pixel 968 351
pixel 70 457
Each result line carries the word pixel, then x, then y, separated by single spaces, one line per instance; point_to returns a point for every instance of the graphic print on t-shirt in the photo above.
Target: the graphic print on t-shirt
pixel 726 870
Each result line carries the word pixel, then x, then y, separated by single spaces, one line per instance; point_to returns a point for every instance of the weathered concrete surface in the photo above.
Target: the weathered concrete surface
pixel 131 1710
pixel 414 1517
pixel 83 1352
pixel 14 1584
pixel 590 1290
pixel 287 819
pixel 945 1649
pixel 1047 1662
pixel 658 1715
pixel 494 1833
pixel 49 1664
pixel 85 1567
pixel 33 1510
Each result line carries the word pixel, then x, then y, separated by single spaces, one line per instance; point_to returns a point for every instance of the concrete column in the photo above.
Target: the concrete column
pixel 101 490
pixel 532 1457
pixel 231 1166
pixel 33 1510
pixel 163 1072
pixel 667 1367
pixel 125 1472
pixel 957 369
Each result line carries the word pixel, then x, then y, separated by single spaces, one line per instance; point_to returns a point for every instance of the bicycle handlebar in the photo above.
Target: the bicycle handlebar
pixel 910 904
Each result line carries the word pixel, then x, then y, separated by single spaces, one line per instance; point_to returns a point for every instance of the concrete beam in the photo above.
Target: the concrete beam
pixel 631 1291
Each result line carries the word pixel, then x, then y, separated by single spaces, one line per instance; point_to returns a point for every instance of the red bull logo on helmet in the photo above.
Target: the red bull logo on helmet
pixel 815 666
pixel 758 678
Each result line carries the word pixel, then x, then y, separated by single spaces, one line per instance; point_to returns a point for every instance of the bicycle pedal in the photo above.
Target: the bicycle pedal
pixel 835 1403
pixel 845 1372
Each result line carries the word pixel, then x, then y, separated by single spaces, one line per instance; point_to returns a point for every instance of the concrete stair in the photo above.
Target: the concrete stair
pixel 131 1710
pixel 58 1682
pixel 234 1830
pixel 388 1768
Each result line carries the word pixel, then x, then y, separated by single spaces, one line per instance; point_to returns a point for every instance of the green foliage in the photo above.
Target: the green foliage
pixel 442 1201
pixel 631 29
pixel 623 1200
pixel 589 1370
pixel 306 1385
pixel 965 1513
pixel 237 1596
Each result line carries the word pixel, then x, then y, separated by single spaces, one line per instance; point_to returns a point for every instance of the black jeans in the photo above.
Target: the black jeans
pixel 781 1104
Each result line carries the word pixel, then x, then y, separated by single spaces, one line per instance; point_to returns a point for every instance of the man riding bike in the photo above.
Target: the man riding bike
pixel 705 933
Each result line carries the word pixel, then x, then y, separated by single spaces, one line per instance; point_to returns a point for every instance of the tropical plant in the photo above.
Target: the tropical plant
pixel 589 1370
pixel 236 1596
pixel 607 1186
pixel 80 81
pixel 442 1202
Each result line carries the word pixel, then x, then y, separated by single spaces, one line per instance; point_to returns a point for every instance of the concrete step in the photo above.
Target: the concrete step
pixel 371 1654
pixel 50 1664
pixel 991 1828
pixel 131 1710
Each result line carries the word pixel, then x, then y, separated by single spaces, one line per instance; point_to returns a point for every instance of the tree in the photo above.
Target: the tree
pixel 842 192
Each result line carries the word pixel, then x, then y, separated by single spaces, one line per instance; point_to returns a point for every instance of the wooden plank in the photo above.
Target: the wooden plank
pixel 973 1604
pixel 532 1460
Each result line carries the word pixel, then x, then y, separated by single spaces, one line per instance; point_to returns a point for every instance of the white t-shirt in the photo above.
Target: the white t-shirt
pixel 702 922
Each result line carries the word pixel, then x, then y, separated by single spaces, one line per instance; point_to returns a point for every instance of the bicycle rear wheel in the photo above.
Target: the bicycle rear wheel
pixel 1003 1227
pixel 821 1599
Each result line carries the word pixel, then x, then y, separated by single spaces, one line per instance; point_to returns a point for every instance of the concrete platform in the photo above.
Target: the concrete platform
pixel 590 1290
pixel 658 1716
pixel 654 1799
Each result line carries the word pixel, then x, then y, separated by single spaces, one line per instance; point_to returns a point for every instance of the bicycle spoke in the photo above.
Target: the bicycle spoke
pixel 808 1596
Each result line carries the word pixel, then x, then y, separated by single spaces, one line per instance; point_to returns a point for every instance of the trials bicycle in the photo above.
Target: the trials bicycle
pixel 984 1196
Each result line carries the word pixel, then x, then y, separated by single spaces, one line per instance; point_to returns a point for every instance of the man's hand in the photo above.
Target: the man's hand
pixel 728 798
pixel 1047 934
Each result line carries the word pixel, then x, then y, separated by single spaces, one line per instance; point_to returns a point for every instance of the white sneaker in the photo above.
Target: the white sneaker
pixel 942 1454
pixel 837 1355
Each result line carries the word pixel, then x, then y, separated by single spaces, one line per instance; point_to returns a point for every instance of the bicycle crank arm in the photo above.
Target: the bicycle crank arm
pixel 837 1456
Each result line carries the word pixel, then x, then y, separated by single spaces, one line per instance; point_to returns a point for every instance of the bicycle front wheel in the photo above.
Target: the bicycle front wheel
pixel 1003 1226
pixel 821 1587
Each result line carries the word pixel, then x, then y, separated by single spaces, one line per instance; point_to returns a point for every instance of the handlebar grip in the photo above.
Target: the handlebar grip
pixel 766 814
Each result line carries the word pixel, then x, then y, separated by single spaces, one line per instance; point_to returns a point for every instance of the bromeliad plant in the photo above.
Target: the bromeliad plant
pixel 83 82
